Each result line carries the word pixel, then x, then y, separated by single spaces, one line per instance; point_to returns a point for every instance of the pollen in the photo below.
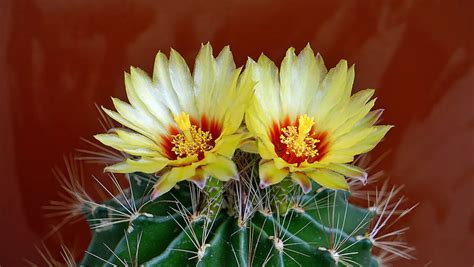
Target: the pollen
pixel 191 140
pixel 298 139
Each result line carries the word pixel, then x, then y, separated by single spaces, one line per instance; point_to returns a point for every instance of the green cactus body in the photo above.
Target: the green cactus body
pixel 317 229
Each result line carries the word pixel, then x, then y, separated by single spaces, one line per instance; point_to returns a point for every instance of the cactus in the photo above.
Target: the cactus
pixel 232 224
pixel 229 168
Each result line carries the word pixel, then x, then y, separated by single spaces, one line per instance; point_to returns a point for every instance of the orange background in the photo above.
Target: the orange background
pixel 58 58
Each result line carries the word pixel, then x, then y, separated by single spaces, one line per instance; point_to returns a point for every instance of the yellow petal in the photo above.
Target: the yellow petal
pixel 300 78
pixel 370 119
pixel 161 77
pixel 346 95
pixel 341 156
pixel 164 184
pixel 142 152
pixel 132 94
pixel 146 165
pixel 266 148
pixel 302 180
pixel 200 178
pixel 367 142
pixel 140 118
pixel 227 145
pixel 281 163
pixel 270 174
pixel 120 119
pixel 223 169
pixel 362 97
pixel 191 172
pixel 330 93
pixel 182 83
pixel 258 127
pixel 288 76
pixel 131 148
pixel 267 90
pixel 233 98
pixel 171 178
pixel 237 100
pixel 183 173
pixel 110 140
pixel 136 139
pixel 329 179
pixel 205 80
pixel 150 96
pixel 349 170
pixel 339 123
pixel 352 138
pixel 249 146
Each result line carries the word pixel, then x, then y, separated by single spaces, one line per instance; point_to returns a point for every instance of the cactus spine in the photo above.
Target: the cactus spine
pixel 231 224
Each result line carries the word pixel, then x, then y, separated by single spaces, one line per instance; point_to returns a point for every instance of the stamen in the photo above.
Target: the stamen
pixel 298 140
pixel 192 140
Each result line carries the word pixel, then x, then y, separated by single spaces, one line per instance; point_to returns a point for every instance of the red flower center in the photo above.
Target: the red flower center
pixel 190 137
pixel 298 141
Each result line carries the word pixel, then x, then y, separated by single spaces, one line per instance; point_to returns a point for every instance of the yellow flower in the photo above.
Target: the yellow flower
pixel 186 127
pixel 306 122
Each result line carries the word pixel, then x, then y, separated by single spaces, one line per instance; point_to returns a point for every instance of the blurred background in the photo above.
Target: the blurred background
pixel 59 58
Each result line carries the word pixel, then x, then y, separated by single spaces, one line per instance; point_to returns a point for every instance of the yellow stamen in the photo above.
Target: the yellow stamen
pixel 192 140
pixel 298 140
